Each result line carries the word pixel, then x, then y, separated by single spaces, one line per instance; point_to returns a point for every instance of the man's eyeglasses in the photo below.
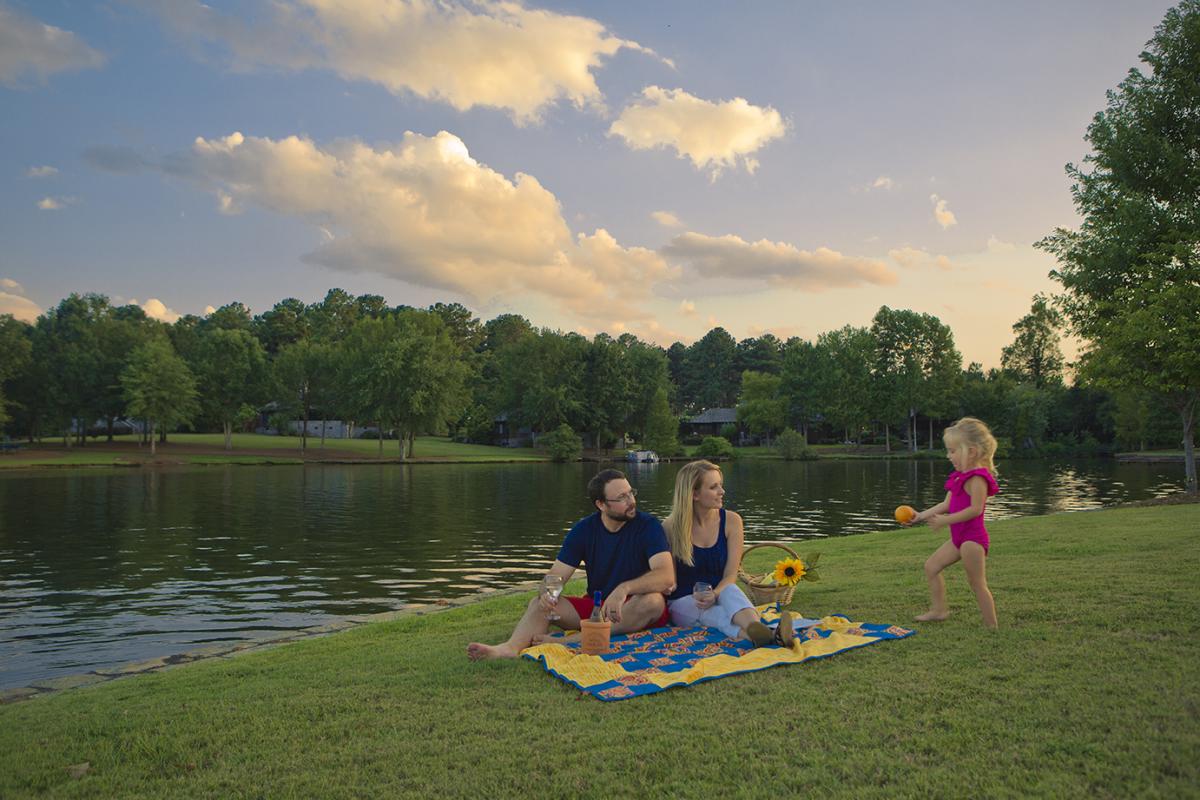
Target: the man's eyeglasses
pixel 623 498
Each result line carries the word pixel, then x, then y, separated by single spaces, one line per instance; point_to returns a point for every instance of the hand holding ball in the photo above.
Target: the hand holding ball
pixel 905 514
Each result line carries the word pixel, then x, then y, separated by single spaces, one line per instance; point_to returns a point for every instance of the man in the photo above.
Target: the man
pixel 627 559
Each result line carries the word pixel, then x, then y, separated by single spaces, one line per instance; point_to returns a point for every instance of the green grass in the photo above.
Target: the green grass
pixel 1091 688
pixel 433 447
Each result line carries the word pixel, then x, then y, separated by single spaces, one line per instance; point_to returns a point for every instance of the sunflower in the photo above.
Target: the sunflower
pixel 789 571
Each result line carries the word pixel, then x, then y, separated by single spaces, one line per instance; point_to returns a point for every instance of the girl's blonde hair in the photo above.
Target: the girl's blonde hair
pixel 679 523
pixel 975 433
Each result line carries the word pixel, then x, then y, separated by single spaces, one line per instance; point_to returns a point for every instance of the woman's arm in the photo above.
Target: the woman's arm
pixel 735 538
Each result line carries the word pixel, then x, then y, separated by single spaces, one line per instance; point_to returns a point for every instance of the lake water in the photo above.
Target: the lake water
pixel 101 567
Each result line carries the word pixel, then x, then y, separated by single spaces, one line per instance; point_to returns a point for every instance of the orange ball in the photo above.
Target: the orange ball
pixel 905 514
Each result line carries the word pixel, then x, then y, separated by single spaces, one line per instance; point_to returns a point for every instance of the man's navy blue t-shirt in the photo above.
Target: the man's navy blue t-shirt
pixel 612 558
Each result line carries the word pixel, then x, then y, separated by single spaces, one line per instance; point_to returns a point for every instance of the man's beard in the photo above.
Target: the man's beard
pixel 624 516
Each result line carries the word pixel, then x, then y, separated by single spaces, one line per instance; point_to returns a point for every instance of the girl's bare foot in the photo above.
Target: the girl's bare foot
pixel 933 616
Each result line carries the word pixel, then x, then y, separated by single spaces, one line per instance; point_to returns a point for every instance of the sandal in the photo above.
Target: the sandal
pixel 784 634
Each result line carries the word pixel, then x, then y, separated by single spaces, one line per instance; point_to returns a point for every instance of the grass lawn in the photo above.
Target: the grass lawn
pixel 264 450
pixel 1091 688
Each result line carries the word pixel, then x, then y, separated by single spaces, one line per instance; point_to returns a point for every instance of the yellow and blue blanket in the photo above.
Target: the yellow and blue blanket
pixel 661 658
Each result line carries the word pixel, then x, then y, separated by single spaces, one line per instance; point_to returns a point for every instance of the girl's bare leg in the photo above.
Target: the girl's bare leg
pixel 943 557
pixel 975 564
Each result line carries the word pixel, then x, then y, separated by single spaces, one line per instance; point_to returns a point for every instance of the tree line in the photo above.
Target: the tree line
pixel 405 371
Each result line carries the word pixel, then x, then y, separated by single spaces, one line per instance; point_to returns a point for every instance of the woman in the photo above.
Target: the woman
pixel 706 541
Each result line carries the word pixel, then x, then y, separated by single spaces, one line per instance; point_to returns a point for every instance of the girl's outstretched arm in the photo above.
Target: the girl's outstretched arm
pixel 940 508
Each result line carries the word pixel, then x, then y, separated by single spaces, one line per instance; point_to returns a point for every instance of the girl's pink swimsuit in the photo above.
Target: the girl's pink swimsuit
pixel 972 530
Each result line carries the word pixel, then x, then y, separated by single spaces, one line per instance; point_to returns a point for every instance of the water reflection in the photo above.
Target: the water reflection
pixel 99 568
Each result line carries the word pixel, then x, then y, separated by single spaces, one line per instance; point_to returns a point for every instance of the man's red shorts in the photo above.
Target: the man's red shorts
pixel 584 605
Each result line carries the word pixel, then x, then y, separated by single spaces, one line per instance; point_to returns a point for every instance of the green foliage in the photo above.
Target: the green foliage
pixel 762 409
pixel 715 447
pixel 710 373
pixel 563 444
pixel 1034 355
pixel 794 447
pixel 1131 273
pixel 916 367
pixel 662 427
pixel 159 387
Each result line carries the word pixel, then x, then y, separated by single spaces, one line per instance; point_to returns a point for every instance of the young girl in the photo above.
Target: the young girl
pixel 970 447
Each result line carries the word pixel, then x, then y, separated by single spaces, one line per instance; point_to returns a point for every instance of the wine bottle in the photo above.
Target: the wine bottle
pixel 596 615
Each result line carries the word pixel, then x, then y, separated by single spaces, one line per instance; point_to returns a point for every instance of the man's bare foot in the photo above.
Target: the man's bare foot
pixel 483 652
pixel 933 616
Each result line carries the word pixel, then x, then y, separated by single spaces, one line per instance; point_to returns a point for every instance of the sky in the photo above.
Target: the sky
pixel 654 168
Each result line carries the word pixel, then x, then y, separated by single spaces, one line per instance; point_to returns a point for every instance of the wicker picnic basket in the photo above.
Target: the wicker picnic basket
pixel 757 586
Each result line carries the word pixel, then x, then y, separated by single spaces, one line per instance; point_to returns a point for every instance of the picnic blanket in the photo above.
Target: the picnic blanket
pixel 650 661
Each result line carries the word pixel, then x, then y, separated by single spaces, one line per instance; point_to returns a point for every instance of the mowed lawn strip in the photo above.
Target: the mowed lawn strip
pixel 1089 689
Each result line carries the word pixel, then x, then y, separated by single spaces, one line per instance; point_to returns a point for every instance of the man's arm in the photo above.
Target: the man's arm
pixel 660 578
pixel 564 571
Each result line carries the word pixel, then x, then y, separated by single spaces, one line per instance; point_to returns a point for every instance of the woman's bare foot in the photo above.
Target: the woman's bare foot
pixel 933 616
pixel 483 652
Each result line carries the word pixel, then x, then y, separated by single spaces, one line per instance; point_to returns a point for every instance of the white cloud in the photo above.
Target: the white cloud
pixel 209 310
pixel 994 245
pixel 30 49
pixel 666 219
pixel 463 53
pixel 714 136
pixel 12 301
pixel 914 258
pixel 423 211
pixel 687 308
pixel 882 182
pixel 157 309
pixel 54 203
pixel 778 263
pixel 944 216
pixel 41 172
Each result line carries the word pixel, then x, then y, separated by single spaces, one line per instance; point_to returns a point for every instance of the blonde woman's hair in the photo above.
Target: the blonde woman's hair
pixel 975 433
pixel 679 523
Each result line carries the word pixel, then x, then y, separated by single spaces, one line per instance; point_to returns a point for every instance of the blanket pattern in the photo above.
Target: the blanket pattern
pixel 650 661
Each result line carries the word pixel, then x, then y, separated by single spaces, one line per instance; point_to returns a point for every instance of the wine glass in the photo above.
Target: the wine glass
pixel 552 586
pixel 703 591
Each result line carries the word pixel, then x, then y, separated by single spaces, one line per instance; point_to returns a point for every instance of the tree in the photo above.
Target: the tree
pixel 232 369
pixel 711 378
pixel 1034 355
pixel 1131 273
pixel 661 432
pixel 804 381
pixel 916 367
pixel 15 350
pixel 159 387
pixel 844 384
pixel 760 354
pixel 762 409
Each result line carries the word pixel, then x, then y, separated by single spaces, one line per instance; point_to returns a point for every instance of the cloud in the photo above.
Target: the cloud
pixel 666 219
pixel 914 258
pixel 994 245
pixel 687 308
pixel 13 302
pixel 468 53
pixel 882 182
pixel 778 263
pixel 422 210
pixel 116 158
pixel 157 309
pixel 209 310
pixel 54 203
pixel 714 136
pixel 41 172
pixel 30 49
pixel 944 216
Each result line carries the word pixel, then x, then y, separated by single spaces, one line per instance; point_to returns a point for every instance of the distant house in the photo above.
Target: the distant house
pixel 507 434
pixel 710 422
